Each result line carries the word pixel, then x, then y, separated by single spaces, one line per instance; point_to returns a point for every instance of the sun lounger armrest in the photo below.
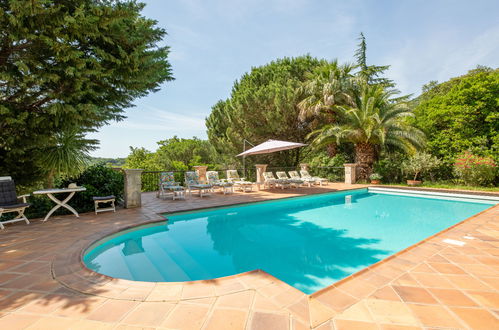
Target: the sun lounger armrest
pixel 24 197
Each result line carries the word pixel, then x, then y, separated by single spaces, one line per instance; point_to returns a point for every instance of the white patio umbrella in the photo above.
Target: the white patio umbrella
pixel 267 147
pixel 271 146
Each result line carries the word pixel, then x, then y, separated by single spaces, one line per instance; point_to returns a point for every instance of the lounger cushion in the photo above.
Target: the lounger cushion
pixel 14 206
pixel 97 198
pixel 8 194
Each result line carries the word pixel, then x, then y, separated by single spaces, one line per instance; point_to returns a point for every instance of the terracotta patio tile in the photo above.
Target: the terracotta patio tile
pixel 358 288
pixel 53 323
pixel 241 300
pixel 301 310
pixel 186 317
pixel 480 270
pixel 354 325
pixel 422 268
pixel 288 297
pixel 357 312
pixel 148 314
pixel 432 280
pixel 79 306
pixel 298 325
pixel 414 294
pixel 435 316
pixel 17 300
pixel 477 318
pixel 197 290
pixel 487 299
pixel 384 311
pixel 165 292
pixel 264 303
pixel 319 312
pixel 45 304
pixel 446 268
pixel 398 327
pixel 262 320
pixel 466 282
pixel 452 297
pixel 112 310
pixel 17 321
pixel 228 319
pixel 386 293
pixel 493 282
pixel 336 299
pixel 94 325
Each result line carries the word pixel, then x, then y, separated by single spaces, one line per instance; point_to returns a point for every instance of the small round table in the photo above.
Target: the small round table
pixel 64 203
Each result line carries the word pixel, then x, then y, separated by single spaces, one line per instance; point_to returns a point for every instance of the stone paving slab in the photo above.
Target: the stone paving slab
pixel 432 285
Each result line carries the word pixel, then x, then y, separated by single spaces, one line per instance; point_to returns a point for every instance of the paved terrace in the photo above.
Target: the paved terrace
pixel 431 285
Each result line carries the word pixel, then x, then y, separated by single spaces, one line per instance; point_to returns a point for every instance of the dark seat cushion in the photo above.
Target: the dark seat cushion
pixel 8 194
pixel 14 206
pixel 97 198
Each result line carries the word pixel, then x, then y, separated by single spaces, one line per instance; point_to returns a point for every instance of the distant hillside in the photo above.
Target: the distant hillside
pixel 113 162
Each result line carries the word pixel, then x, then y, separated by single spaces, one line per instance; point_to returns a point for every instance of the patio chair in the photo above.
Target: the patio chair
pixel 270 181
pixel 239 183
pixel 192 182
pixel 305 175
pixel 9 201
pixel 214 180
pixel 295 176
pixel 294 182
pixel 167 184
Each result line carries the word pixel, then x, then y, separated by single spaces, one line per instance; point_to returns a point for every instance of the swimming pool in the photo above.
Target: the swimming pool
pixel 308 242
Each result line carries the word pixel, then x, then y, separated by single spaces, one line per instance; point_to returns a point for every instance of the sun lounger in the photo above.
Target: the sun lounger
pixel 271 181
pixel 192 182
pixel 305 175
pixel 214 180
pixel 293 181
pixel 295 176
pixel 239 183
pixel 167 184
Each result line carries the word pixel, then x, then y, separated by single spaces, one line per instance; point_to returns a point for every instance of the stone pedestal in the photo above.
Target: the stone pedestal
pixel 350 173
pixel 260 169
pixel 304 167
pixel 133 188
pixel 201 171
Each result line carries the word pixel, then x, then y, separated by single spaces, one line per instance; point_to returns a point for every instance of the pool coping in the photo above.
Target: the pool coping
pixel 77 277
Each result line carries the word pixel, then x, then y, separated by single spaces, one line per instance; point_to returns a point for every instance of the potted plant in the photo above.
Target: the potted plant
pixel 375 178
pixel 417 165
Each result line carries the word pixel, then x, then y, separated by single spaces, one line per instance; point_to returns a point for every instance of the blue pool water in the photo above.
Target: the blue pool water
pixel 308 242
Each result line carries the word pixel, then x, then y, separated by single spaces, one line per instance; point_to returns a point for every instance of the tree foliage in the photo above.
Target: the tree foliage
pixel 461 114
pixel 263 105
pixel 174 154
pixel 70 64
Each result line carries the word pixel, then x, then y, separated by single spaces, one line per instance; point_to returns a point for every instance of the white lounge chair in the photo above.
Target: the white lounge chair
pixel 308 181
pixel 293 181
pixel 271 181
pixel 305 175
pixel 239 183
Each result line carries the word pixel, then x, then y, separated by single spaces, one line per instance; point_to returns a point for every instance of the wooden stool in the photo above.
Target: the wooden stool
pixel 105 199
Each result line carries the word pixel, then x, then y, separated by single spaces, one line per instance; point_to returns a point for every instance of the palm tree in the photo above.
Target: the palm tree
pixel 68 154
pixel 375 120
pixel 328 86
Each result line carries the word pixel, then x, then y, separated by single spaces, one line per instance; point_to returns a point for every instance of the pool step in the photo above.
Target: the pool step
pixel 183 258
pixel 169 268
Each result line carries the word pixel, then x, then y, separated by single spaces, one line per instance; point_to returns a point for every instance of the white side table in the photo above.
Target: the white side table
pixel 64 203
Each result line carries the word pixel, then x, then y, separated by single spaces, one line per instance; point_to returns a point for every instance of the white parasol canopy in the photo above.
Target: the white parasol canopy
pixel 271 146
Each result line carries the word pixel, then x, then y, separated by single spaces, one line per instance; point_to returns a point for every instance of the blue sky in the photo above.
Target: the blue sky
pixel 213 42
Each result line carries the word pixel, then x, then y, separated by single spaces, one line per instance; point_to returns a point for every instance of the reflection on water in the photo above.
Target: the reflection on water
pixel 307 242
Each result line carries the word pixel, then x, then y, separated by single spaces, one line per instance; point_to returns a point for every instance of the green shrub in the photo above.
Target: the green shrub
pixel 419 165
pixel 390 168
pixel 475 170
pixel 99 180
